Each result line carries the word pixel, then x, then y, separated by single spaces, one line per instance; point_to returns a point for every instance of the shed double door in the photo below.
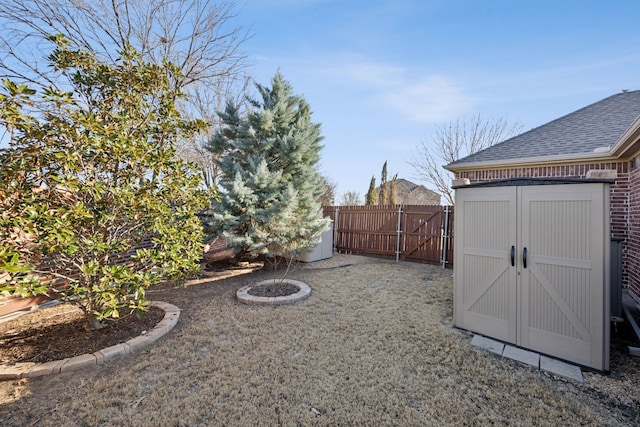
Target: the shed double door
pixel 531 268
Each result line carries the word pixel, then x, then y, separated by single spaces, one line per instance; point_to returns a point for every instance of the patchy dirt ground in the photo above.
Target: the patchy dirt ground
pixel 373 345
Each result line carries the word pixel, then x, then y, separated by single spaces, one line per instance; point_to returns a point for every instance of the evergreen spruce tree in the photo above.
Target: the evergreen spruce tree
pixel 372 195
pixel 270 184
pixel 384 191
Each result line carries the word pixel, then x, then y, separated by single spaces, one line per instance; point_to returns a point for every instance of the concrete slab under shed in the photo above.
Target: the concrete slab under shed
pixel 488 344
pixel 522 355
pixel 554 366
pixel 563 369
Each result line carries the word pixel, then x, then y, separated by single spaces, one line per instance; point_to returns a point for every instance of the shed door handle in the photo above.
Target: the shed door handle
pixel 524 257
pixel 513 256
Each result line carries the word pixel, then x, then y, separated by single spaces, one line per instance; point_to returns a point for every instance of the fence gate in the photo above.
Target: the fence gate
pixel 408 232
pixel 426 233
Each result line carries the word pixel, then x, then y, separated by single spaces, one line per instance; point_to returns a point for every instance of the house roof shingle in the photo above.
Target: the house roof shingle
pixel 593 127
pixel 405 185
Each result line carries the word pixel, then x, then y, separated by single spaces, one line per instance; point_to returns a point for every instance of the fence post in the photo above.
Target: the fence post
pixel 399 234
pixel 335 228
pixel 445 243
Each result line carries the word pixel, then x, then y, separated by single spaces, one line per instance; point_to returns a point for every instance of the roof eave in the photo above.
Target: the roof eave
pixel 532 161
pixel 629 141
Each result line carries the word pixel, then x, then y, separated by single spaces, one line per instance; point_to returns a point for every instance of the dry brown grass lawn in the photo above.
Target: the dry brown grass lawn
pixel 373 345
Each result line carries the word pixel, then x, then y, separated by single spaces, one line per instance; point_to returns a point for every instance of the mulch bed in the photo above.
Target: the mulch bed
pixel 275 289
pixel 58 333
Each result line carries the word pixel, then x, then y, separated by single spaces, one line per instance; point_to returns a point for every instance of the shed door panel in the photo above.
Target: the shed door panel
pixel 558 304
pixel 560 310
pixel 485 288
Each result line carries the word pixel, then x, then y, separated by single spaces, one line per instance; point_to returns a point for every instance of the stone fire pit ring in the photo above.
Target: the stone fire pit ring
pixel 304 291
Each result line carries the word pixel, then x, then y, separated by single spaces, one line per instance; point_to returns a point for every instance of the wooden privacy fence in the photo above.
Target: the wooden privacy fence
pixel 407 232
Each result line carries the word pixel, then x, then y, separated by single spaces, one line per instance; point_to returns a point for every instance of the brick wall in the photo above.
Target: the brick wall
pixel 624 203
pixel 633 243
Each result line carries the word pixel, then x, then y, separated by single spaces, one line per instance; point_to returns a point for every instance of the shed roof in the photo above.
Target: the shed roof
pixel 592 129
pixel 527 182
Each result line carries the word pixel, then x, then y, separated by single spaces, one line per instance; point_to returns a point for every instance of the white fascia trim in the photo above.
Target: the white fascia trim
pixel 627 139
pixel 533 161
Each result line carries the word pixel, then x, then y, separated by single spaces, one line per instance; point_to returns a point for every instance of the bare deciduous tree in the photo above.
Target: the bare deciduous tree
pixel 329 196
pixel 350 198
pixel 195 35
pixel 454 140
pixel 206 103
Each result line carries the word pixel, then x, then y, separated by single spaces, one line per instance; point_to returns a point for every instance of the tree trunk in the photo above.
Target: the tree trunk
pixel 92 323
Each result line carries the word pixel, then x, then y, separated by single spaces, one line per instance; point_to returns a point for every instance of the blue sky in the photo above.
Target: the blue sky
pixel 380 75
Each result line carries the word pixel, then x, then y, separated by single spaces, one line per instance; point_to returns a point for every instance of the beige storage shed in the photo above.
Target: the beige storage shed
pixel 532 265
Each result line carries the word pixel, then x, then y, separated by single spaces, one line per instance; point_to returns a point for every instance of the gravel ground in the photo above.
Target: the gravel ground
pixel 373 345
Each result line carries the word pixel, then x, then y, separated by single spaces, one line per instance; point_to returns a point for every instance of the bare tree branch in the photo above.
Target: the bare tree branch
pixel 195 35
pixel 455 140
pixel 328 197
pixel 350 198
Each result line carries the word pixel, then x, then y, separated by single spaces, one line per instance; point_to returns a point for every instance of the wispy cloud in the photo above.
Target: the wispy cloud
pixel 432 98
pixel 368 73
pixel 410 94
pixel 420 97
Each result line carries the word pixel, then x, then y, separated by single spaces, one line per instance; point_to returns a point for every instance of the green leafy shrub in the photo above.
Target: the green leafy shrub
pixel 91 191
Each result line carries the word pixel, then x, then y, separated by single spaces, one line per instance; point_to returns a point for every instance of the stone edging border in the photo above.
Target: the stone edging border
pixel 32 370
pixel 243 294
